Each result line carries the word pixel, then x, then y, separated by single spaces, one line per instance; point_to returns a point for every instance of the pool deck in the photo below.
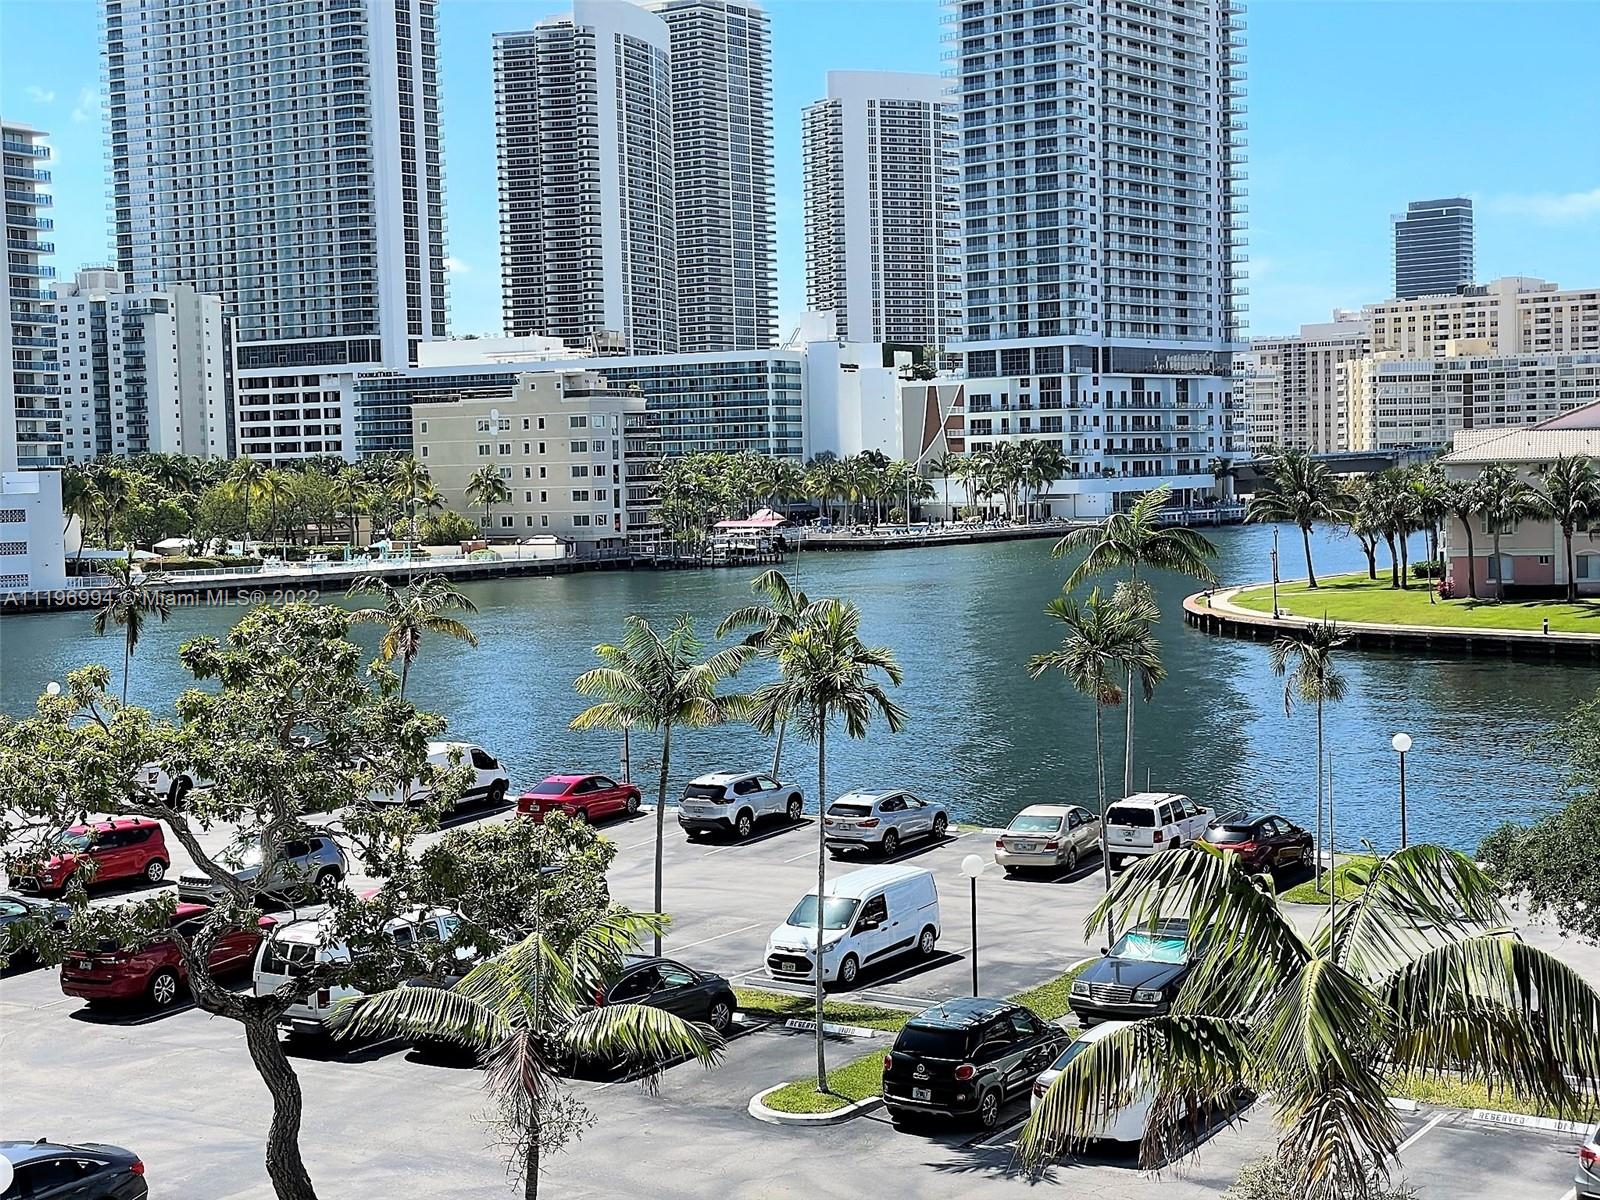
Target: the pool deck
pixel 1215 612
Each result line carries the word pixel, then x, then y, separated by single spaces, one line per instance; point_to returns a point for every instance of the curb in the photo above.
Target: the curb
pixel 1491 1116
pixel 838 1116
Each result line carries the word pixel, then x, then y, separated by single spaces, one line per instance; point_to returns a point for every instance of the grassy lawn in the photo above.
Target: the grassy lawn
pixel 862 1077
pixel 1349 889
pixel 1357 598
pixel 1448 1092
pixel 781 1006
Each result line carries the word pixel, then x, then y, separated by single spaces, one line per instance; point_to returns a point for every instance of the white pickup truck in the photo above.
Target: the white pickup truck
pixel 1149 822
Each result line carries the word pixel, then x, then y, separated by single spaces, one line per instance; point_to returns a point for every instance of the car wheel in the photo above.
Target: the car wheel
pixel 694 834
pixel 579 814
pixel 848 970
pixel 890 843
pixel 1072 859
pixel 794 809
pixel 744 825
pixel 1175 844
pixel 1011 872
pixel 721 1016
pixel 180 789
pixel 497 792
pixel 940 824
pixel 164 988
pixel 326 880
pixel 989 1109
pixel 925 942
pixel 632 804
pixel 155 870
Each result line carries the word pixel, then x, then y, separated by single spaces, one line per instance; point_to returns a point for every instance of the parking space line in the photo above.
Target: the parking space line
pixel 1421 1133
pixel 716 937
pixel 770 835
pixel 995 1140
pixel 909 852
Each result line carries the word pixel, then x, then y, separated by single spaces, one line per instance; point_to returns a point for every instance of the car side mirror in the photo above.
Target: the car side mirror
pixel 1105 950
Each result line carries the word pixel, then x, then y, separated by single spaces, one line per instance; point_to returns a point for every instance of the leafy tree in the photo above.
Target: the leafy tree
pixel 1567 492
pixel 770 625
pixel 827 674
pixel 1300 490
pixel 1506 500
pixel 410 611
pixel 131 598
pixel 658 682
pixel 1423 976
pixel 1275 1178
pixel 1463 500
pixel 288 728
pixel 1314 680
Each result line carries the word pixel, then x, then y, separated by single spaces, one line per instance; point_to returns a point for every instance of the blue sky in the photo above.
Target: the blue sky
pixel 1355 108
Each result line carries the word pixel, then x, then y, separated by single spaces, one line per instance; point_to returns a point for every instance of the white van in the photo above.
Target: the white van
pixel 489 779
pixel 295 946
pixel 868 916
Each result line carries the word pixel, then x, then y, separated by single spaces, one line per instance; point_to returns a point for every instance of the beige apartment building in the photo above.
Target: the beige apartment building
pixel 1290 386
pixel 579 457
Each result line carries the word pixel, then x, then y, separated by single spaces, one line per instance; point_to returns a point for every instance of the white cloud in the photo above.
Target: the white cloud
pixel 456 267
pixel 1550 208
pixel 40 95
pixel 88 107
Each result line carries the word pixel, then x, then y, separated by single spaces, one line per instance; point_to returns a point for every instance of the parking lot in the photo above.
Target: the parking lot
pixel 179 1089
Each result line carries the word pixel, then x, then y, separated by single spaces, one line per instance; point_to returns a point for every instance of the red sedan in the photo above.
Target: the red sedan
pixel 586 797
pixel 156 972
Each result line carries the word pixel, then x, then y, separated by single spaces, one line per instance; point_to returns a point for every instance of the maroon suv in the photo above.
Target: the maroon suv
pixel 120 848
pixel 156 972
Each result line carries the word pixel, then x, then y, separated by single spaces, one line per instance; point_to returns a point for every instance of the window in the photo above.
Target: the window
pixel 422 427
pixel 544 522
pixel 636 986
pixel 580 495
pixel 483 760
pixel 579 446
pixel 527 424
pixel 505 447
pixel 875 912
pixel 577 422
pixel 675 976
pixel 1587 567
pixel 483 449
pixel 580 472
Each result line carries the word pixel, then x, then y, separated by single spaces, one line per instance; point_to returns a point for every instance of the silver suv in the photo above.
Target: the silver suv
pixel 306 866
pixel 881 821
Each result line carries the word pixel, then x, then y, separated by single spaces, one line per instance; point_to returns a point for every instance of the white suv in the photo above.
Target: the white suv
pixel 1148 822
pixel 733 801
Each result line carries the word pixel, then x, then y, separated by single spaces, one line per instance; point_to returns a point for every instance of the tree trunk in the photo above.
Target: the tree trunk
pixel 661 821
pixel 1499 572
pixel 1319 796
pixel 1472 562
pixel 530 1166
pixel 1572 579
pixel 1405 561
pixel 127 655
pixel 1394 561
pixel 777 750
pixel 1311 575
pixel 822 887
pixel 627 761
pixel 1333 862
pixel 285 1167
pixel 1370 549
pixel 1127 758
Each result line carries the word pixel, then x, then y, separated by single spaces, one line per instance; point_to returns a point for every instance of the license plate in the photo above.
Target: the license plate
pixel 83 964
pixel 1127 835
pixel 922 1093
pixel 794 968
pixel 1023 846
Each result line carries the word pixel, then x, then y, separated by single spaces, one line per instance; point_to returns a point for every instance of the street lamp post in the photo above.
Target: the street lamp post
pixel 1402 743
pixel 1275 613
pixel 972 867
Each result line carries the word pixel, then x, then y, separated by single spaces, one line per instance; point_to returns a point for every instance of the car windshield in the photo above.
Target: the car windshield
pixel 1142 946
pixel 930 1041
pixel 1024 823
pixel 704 791
pixel 837 912
pixel 1143 818
pixel 849 809
pixel 550 787
pixel 1230 835
pixel 72 841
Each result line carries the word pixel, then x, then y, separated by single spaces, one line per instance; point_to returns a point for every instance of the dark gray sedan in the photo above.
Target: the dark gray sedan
pixel 87 1171
pixel 664 983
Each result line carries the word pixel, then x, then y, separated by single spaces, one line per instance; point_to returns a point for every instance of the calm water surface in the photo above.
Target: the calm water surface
pixel 984 738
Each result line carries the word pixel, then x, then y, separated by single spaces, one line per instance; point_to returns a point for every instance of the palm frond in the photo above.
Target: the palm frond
pixel 406 1011
pixel 644 1037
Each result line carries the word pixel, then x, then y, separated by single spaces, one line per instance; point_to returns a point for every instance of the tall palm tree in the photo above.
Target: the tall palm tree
pixel 1136 539
pixel 114 493
pixel 275 490
pixel 1426 483
pixel 348 494
pixel 944 466
pixel 1568 492
pixel 660 682
pixel 410 611
pixel 1315 681
pixel 409 483
pixel 1044 462
pixel 1363 519
pixel 80 502
pixel 1398 509
pixel 1506 499
pixel 1103 636
pixel 1463 500
pixel 244 481
pixel 770 625
pixel 827 674
pixel 529 1012
pixel 1423 977
pixel 485 487
pixel 1297 488
pixel 131 599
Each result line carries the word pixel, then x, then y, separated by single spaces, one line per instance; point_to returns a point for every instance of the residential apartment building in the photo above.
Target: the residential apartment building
pixel 724 195
pixel 1533 558
pixel 1514 315
pixel 287 159
pixel 1291 387
pixel 588 212
pixel 141 370
pixel 30 384
pixel 1102 167
pixel 882 200
pixel 1433 252
pixel 579 457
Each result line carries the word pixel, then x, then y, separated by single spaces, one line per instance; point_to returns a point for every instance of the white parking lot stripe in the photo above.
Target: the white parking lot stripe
pixel 716 937
pixel 1421 1133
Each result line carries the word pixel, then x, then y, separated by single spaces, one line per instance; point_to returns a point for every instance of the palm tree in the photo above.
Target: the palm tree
pixel 1103 635
pixel 275 489
pixel 131 598
pixel 1463 500
pixel 1506 499
pixel 1568 493
pixel 1136 539
pixel 408 612
pixel 1297 488
pixel 485 487
pixel 1394 513
pixel 1044 462
pixel 348 494
pixel 79 501
pixel 1426 484
pixel 658 683
pixel 244 480
pixel 1425 977
pixel 770 625
pixel 410 482
pixel 1363 518
pixel 944 466
pixel 1315 681
pixel 114 492
pixel 827 673
pixel 529 1012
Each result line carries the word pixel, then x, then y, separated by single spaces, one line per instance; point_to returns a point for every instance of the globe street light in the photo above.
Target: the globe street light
pixel 1402 743
pixel 972 866
pixel 52 688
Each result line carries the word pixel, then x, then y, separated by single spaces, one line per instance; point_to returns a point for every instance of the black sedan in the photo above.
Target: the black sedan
pixel 663 983
pixel 90 1171
pixel 1264 841
pixel 1138 977
pixel 23 921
